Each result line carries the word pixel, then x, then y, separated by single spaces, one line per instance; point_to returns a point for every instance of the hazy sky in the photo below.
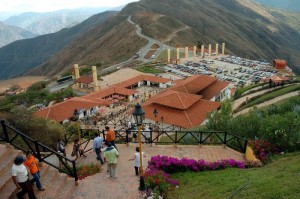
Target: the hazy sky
pixel 52 5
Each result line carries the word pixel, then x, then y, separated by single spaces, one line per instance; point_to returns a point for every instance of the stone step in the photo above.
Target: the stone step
pixel 67 189
pixel 3 149
pixel 53 187
pixel 7 187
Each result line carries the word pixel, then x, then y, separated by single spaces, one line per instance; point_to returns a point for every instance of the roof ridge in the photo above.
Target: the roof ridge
pixel 180 100
pixel 186 115
pixel 48 112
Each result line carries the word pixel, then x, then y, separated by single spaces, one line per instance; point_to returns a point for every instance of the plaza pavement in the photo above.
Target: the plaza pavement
pixel 126 184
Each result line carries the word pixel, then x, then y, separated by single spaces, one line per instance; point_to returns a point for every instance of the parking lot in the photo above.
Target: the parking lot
pixel 237 70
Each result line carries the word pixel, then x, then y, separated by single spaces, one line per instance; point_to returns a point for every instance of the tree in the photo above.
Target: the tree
pixel 44 131
pixel 221 120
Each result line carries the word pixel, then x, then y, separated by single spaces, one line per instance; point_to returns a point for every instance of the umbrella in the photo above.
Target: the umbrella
pixel 115 96
pixel 115 100
pixel 109 98
pixel 121 97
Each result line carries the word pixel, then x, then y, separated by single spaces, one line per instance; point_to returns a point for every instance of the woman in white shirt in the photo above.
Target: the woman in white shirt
pixel 137 160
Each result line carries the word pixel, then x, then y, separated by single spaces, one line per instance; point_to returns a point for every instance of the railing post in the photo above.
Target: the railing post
pixel 75 172
pixel 37 150
pixel 6 137
pixel 225 138
pixel 127 138
pixel 151 138
pixel 201 135
pixel 245 146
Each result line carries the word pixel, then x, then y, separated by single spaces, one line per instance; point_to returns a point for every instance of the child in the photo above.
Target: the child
pixel 77 151
pixel 31 163
pixel 137 160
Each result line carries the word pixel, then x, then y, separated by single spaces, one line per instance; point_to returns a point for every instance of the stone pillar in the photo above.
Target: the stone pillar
pixel 95 78
pixel 186 52
pixel 223 48
pixel 169 56
pixel 195 49
pixel 77 75
pixel 209 49
pixel 217 49
pixel 202 51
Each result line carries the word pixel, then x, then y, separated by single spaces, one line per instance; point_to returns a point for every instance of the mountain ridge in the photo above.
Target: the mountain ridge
pixel 247 32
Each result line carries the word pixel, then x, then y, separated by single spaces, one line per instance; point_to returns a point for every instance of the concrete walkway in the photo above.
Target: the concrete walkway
pixel 126 184
pixel 269 102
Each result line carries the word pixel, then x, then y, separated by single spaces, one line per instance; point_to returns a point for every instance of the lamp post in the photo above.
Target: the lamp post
pixel 138 115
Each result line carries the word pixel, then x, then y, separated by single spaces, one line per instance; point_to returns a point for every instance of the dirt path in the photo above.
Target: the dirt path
pixel 23 82
pixel 174 34
pixel 269 102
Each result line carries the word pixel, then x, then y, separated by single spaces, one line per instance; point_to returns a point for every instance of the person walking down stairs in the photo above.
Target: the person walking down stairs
pixel 97 146
pixel 110 156
pixel 111 136
pixel 32 164
pixel 20 178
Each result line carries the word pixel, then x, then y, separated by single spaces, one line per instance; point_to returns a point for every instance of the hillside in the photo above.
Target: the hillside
pixel 21 56
pixel 102 45
pixel 10 33
pixel 248 29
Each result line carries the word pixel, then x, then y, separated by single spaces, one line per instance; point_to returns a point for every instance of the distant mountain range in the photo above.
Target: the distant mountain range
pixel 293 5
pixel 247 28
pixel 50 22
pixel 20 56
pixel 9 34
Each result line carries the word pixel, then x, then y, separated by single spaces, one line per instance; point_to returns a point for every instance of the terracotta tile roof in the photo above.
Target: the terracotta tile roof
pixel 175 99
pixel 112 90
pixel 193 116
pixel 84 79
pixel 139 78
pixel 65 109
pixel 213 89
pixel 194 84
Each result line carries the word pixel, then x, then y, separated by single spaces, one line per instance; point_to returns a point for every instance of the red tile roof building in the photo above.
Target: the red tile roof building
pixel 179 109
pixel 188 102
pixel 209 87
pixel 85 80
pixel 64 110
pixel 147 78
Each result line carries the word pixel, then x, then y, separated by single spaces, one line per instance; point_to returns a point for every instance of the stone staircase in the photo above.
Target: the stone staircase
pixel 58 185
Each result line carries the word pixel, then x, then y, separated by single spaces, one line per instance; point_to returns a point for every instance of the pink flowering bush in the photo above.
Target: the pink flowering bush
pixel 158 182
pixel 263 150
pixel 172 165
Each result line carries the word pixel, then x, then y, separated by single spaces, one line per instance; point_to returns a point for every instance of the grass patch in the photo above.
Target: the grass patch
pixel 272 95
pixel 277 180
pixel 279 103
pixel 149 69
pixel 238 93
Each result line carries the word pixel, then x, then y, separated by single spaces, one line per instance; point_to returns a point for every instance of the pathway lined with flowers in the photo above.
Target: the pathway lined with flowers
pixel 126 184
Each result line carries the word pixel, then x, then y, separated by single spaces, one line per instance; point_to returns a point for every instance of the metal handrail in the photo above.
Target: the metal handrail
pixel 122 136
pixel 35 146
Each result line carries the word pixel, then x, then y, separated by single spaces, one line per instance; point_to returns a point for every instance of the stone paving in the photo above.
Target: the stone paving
pixel 126 184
